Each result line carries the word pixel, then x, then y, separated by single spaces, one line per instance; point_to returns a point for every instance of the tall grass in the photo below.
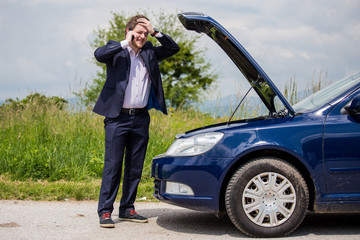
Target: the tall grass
pixel 292 93
pixel 41 141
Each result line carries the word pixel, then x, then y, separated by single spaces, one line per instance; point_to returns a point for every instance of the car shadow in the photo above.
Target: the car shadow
pixel 329 224
pixel 194 222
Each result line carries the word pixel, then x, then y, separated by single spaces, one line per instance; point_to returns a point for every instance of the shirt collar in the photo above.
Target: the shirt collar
pixel 131 51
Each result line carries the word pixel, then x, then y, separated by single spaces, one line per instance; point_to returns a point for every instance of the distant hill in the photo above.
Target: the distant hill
pixel 222 107
pixel 216 108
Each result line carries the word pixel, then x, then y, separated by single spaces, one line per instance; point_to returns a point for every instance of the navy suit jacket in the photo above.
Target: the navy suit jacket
pixel 117 60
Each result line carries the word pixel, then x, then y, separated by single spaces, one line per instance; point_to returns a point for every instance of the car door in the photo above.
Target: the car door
pixel 341 152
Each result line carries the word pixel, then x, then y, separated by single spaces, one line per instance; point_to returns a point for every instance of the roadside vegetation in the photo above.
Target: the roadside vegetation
pixel 50 151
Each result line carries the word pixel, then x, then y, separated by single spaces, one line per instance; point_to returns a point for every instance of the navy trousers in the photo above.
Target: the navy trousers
pixel 129 135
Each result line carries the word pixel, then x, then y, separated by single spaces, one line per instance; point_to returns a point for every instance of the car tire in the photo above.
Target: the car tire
pixel 267 197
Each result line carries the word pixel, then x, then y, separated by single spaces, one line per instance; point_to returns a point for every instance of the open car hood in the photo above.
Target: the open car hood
pixel 257 78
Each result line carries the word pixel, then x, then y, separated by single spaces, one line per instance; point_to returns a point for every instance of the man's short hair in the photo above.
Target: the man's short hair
pixel 133 21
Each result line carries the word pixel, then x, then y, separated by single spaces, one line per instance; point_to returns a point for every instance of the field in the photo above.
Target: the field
pixel 51 152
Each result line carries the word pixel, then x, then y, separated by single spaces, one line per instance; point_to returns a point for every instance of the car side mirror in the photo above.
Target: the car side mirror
pixel 354 107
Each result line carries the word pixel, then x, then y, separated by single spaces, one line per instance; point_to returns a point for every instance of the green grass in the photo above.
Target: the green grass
pixel 61 190
pixel 49 152
pixel 44 190
pixel 44 142
pixel 52 153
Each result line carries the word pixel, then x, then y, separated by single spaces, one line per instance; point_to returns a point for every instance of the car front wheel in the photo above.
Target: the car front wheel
pixel 267 197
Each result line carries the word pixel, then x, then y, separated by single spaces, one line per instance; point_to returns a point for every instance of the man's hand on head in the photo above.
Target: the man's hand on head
pixel 147 24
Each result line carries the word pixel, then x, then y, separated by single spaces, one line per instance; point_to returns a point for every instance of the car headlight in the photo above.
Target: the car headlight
pixel 194 145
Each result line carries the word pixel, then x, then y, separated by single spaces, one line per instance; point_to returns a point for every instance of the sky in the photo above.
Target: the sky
pixel 45 44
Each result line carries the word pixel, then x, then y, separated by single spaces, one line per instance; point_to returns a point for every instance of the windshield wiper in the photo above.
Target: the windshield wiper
pixel 252 86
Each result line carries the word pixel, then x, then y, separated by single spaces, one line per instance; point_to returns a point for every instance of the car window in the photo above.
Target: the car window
pixel 327 94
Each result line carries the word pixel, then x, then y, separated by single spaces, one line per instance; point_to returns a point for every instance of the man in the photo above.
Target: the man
pixel 132 87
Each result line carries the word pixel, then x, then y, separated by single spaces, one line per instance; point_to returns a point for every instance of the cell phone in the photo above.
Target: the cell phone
pixel 132 37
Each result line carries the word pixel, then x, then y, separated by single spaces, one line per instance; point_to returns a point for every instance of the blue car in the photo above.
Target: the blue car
pixel 266 173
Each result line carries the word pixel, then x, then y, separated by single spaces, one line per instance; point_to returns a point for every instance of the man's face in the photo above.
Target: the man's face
pixel 140 38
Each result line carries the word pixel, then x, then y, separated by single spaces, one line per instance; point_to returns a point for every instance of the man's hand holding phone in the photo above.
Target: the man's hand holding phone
pixel 130 36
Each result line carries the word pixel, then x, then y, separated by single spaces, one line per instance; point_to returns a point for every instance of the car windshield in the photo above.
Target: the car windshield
pixel 325 95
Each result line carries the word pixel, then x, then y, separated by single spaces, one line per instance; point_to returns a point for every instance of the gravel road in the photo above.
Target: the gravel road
pixel 79 220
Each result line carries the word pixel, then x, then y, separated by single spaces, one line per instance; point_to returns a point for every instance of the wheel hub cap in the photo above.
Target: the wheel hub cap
pixel 269 199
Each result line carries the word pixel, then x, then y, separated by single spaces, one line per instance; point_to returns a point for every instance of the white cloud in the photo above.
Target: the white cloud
pixel 31 72
pixel 286 53
pixel 45 43
pixel 353 31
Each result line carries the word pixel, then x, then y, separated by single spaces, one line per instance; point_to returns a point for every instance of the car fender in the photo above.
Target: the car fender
pixel 263 149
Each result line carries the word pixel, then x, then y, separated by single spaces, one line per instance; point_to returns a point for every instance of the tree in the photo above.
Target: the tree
pixel 185 75
pixel 34 100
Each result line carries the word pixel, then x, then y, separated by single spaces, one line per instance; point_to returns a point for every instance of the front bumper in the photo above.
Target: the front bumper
pixel 203 175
